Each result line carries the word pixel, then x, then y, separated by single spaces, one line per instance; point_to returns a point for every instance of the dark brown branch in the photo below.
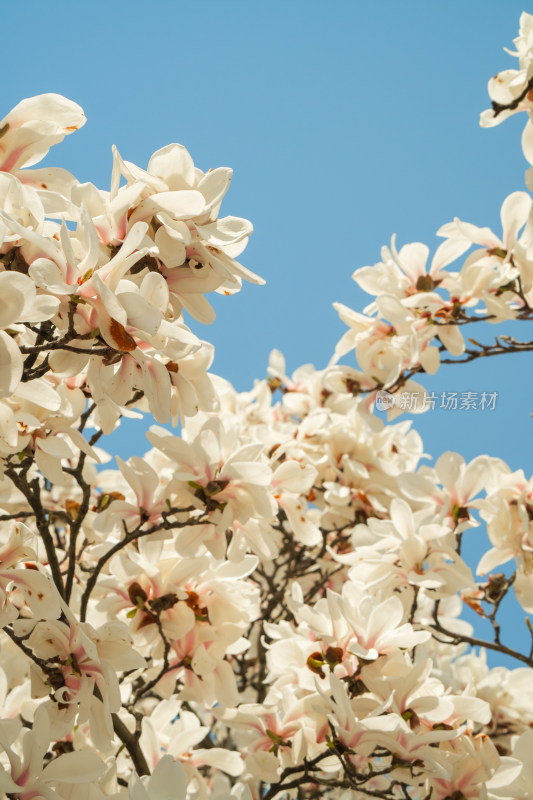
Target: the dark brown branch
pixel 131 743
pixel 32 492
pixel 499 107
pixel 457 638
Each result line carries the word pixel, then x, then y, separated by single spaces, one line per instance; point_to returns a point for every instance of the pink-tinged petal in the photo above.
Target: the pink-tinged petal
pixel 49 276
pixel 49 179
pixel 475 477
pixel 385 617
pixel 156 385
pixel 50 107
pixel 34 125
pixel 449 467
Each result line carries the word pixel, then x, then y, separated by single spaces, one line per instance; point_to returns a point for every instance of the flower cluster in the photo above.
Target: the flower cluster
pixel 270 602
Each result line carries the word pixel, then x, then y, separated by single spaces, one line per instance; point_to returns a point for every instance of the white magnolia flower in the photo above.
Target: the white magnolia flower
pixel 33 126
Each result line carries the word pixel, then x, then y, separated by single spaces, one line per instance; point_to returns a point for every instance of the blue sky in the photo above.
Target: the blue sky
pixel 344 124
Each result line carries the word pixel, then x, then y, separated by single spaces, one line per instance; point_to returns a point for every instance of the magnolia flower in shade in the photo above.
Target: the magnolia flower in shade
pixel 365 626
pixel 173 730
pixel 471 762
pixel 390 731
pixel 412 692
pixel 167 782
pixel 28 778
pixel 146 490
pixel 410 548
pixel 19 301
pixel 85 663
pixel 292 482
pixel 273 739
pixel 508 511
pixel 514 778
pixel 225 480
pixel 23 585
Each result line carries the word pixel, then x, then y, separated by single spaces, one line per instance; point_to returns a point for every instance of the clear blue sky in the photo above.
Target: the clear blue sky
pixel 344 123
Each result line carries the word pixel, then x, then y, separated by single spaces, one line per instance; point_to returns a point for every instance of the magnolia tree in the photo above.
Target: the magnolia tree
pixel 267 604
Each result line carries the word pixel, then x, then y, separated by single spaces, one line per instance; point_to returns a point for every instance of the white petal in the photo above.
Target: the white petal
pixel 78 767
pixel 227 230
pixel 168 780
pixel 174 165
pixel 11 365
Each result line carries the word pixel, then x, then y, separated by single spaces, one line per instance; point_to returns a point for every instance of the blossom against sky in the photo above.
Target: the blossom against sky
pixel 342 127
